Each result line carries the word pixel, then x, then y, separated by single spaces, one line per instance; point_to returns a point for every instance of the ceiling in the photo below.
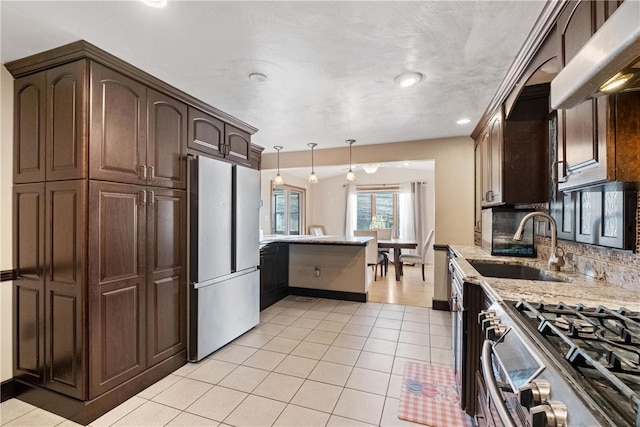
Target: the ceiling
pixel 329 65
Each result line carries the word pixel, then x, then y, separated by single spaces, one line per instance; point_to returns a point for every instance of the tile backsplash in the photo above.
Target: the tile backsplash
pixel 619 267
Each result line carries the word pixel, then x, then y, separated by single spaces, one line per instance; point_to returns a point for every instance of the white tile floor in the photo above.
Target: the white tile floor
pixel 310 362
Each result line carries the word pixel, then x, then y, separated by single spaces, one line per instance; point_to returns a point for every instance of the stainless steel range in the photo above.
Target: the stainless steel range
pixel 556 365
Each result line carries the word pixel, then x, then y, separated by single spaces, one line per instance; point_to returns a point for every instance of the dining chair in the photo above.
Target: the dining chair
pixel 419 259
pixel 317 230
pixel 374 257
pixel 384 234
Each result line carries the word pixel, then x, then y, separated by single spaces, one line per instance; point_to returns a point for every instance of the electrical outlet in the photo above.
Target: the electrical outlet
pixel 316 272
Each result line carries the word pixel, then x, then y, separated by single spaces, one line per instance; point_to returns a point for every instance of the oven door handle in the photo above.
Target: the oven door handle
pixel 492 386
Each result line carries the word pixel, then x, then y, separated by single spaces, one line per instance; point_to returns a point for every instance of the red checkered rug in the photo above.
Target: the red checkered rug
pixel 429 397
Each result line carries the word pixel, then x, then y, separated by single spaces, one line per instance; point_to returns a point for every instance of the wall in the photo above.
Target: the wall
pixel 452 182
pixel 6 181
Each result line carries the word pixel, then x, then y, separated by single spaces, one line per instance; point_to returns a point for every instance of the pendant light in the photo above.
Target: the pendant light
pixel 313 179
pixel 278 179
pixel 350 175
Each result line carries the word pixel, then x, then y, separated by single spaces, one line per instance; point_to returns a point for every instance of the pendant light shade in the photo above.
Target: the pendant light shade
pixel 350 175
pixel 313 179
pixel 278 179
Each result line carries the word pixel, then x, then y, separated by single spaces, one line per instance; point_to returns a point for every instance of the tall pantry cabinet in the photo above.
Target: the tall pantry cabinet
pixel 100 214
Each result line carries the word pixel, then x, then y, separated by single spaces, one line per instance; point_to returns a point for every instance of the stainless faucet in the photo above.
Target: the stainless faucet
pixel 555 261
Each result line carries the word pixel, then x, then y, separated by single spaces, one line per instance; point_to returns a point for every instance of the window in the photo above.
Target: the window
pixel 287 210
pixel 378 208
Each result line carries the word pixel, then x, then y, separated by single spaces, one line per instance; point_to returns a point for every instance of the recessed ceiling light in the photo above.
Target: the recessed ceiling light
pixel 155 3
pixel 407 79
pixel 258 77
pixel 463 121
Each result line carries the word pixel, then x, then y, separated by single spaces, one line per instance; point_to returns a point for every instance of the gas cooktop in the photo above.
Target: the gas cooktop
pixel 598 347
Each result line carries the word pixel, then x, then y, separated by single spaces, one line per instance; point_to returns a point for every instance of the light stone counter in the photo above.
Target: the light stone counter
pixel 577 288
pixel 317 240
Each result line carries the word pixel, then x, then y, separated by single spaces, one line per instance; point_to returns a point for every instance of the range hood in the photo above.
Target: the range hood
pixel 613 49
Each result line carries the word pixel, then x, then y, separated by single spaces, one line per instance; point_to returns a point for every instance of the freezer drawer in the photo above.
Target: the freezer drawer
pixel 221 312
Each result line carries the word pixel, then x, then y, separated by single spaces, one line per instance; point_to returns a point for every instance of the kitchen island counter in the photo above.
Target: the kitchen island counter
pixel 317 240
pixel 574 289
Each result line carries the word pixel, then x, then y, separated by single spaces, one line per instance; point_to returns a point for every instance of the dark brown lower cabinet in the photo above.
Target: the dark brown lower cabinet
pixel 138 292
pixel 28 285
pixel 274 273
pixel 474 301
pixel 100 294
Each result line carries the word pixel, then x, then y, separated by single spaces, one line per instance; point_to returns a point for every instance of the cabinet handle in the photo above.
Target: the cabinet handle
pixel 554 172
pixel 142 197
pixel 152 198
pixel 142 172
pixel 488 196
pixel 152 173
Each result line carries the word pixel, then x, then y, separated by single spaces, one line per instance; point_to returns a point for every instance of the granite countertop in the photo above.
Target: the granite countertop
pixel 317 240
pixel 575 289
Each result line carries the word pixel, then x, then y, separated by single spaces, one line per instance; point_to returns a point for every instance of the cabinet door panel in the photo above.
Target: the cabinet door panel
pixel 28 253
pixel 118 135
pixel 167 141
pixel 238 145
pixel 206 133
pixel 117 277
pixel 66 121
pixel 29 128
pixel 166 290
pixel 65 282
pixel 582 129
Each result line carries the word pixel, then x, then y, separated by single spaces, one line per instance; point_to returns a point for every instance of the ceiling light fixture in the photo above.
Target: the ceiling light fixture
pixel 278 179
pixel 313 179
pixel 463 121
pixel 258 77
pixel 155 3
pixel 408 78
pixel 350 175
pixel 372 168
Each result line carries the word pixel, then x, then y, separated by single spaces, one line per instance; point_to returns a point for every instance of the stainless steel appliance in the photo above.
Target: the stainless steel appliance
pixel 557 365
pixel 613 51
pixel 224 294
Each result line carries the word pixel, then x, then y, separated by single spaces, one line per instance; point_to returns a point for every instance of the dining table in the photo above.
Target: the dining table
pixel 397 245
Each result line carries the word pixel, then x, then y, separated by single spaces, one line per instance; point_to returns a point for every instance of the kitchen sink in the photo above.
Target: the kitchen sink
pixel 512 271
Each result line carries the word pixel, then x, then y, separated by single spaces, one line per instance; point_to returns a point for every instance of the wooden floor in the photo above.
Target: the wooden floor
pixel 411 290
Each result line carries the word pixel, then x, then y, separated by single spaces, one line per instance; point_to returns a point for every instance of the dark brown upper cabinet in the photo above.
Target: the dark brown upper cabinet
pixel 29 129
pixel 66 130
pixel 50 124
pixel 167 141
pixel 206 133
pixel 118 137
pixel 237 145
pixel 598 138
pixel 216 138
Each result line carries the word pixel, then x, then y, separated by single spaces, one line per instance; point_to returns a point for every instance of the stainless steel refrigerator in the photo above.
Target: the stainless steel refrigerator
pixel 224 294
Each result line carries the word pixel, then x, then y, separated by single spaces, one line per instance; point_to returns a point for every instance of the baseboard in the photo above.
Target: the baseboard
pixel 7 390
pixel 84 412
pixel 440 305
pixel 324 293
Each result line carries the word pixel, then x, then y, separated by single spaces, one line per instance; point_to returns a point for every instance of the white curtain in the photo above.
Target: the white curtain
pixel 351 220
pixel 406 228
pixel 413 213
pixel 419 193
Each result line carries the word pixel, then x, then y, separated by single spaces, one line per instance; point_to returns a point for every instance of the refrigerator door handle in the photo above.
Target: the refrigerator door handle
pixel 199 285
